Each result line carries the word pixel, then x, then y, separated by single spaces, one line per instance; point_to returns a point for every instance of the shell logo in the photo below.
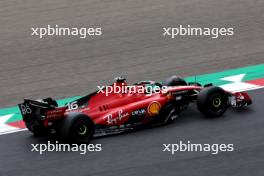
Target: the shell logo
pixel 154 108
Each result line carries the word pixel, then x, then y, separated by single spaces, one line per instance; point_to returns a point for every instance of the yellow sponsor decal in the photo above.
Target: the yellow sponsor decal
pixel 154 108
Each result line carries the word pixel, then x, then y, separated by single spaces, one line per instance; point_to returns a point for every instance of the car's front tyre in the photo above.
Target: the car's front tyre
pixel 212 101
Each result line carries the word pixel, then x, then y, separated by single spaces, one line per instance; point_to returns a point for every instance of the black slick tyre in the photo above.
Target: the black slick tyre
pixel 212 101
pixel 174 81
pixel 77 128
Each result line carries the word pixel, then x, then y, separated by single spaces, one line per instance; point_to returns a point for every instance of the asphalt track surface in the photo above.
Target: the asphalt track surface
pixel 140 152
pixel 132 45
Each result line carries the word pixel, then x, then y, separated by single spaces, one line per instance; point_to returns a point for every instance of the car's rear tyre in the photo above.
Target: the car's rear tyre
pixel 77 128
pixel 174 81
pixel 212 101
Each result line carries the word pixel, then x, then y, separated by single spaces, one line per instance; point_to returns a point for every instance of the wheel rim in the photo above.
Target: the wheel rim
pixel 82 130
pixel 217 102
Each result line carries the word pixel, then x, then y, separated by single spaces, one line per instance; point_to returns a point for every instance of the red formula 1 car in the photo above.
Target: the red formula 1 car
pixel 144 103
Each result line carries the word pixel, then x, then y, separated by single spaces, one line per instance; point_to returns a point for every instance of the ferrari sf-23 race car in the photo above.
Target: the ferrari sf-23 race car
pixel 99 114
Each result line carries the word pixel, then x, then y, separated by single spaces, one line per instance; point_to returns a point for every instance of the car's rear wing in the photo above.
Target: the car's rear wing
pixel 34 110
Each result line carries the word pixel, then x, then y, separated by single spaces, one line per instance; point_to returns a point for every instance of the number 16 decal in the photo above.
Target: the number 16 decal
pixel 72 105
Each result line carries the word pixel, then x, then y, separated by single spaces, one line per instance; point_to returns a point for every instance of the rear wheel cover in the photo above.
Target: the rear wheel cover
pixel 82 130
pixel 77 128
